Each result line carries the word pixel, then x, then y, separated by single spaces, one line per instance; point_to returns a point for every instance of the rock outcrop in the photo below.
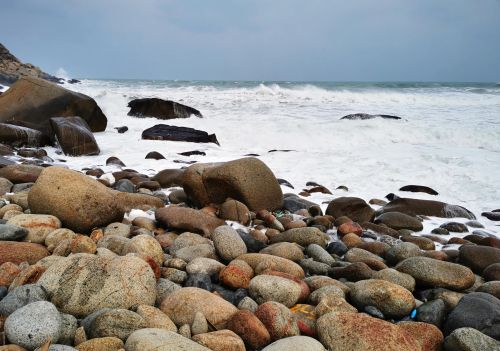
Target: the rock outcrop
pixel 11 69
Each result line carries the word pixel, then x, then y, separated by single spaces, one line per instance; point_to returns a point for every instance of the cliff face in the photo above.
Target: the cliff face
pixel 11 69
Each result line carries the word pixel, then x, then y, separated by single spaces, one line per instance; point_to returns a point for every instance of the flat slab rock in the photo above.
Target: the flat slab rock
pixel 159 108
pixel 174 133
pixel 363 116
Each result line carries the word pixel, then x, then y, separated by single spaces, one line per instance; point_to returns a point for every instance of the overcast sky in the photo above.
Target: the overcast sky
pixel 338 40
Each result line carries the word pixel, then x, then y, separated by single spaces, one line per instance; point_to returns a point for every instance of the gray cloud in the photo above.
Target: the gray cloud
pixel 423 40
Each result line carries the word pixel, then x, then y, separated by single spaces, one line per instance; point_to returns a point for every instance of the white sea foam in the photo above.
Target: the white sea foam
pixel 449 138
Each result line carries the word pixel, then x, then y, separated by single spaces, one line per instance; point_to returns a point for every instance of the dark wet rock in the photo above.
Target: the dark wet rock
pixel 474 224
pixel 22 296
pixel 374 312
pixel 282 150
pixel 154 155
pixel 169 177
pixel 455 227
pixel 419 189
pixel 478 257
pixel 416 207
pixel 161 109
pixel 6 150
pixel 199 280
pixel 432 312
pixel 114 161
pixel 492 272
pixel 178 197
pixel 440 231
pixel 342 187
pixel 492 288
pixel 191 153
pixel 477 310
pixel 21 136
pixel 173 133
pixel 354 208
pixel 337 247
pixel 121 130
pixel 294 203
pixel 74 136
pixel 19 173
pixel 364 116
pixel 380 229
pixel 285 183
pixel 492 216
pixel 12 232
pixel 34 101
pixel 353 272
pixel 125 185
pixel 32 152
pixel 252 244
pixel 398 220
pixel 5 162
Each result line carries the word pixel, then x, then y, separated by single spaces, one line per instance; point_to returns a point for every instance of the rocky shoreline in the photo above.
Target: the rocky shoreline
pixel 214 256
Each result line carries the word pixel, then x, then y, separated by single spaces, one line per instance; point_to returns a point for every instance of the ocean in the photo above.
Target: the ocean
pixel 448 137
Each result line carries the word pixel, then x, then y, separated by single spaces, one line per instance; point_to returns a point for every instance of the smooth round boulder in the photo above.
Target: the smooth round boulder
pixel 435 273
pixel 263 288
pixel 153 339
pixel 228 243
pixel 360 332
pixel 398 220
pixel 290 251
pixel 82 283
pixel 80 202
pixel 391 299
pixel 478 257
pixel 302 236
pixel 295 343
pixel 181 306
pixel 393 276
pixel 260 262
pixel 33 324
pixel 145 246
pixel 354 208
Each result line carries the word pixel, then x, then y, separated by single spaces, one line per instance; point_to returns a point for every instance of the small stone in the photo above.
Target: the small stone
pixel 38 226
pixel 20 297
pixel 33 324
pixel 469 339
pixel 247 303
pixel 393 276
pixel 228 243
pixel 290 251
pixel 250 329
pixel 12 232
pixel 150 339
pixel 109 343
pixel 454 227
pixel 432 312
pixel 220 340
pixel 295 343
pixel 118 323
pixel 155 318
pixel 199 325
pixel 204 265
pixel 83 244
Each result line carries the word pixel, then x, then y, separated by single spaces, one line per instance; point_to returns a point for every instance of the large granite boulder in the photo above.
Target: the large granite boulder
pixel 415 207
pixel 247 180
pixel 161 109
pixel 32 102
pixel 84 283
pixel 80 202
pixel 74 136
pixel 354 208
pixel 21 136
pixel 174 133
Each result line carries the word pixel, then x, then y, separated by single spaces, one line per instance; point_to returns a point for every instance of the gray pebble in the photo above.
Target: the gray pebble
pixel 21 296
pixel 9 232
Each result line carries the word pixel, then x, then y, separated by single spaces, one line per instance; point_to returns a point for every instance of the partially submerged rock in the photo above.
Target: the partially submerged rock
pixel 426 208
pixel 363 116
pixel 174 133
pixel 161 109
pixel 21 136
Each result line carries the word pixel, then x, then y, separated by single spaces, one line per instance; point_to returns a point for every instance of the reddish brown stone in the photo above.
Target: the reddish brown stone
pixel 17 252
pixel 236 275
pixel 250 329
pixel 278 319
pixel 351 227
pixel 8 271
pixel 306 319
